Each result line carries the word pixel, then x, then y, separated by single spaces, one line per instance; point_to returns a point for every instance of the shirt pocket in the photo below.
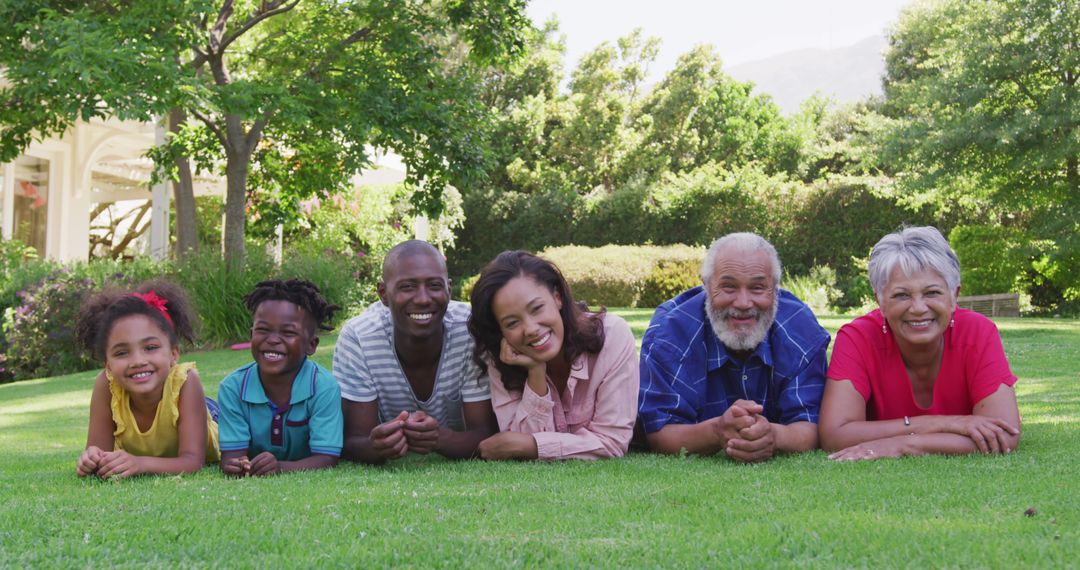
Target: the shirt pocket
pixel 582 410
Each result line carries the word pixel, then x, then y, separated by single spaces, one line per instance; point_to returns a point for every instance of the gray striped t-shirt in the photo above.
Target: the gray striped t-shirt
pixel 367 368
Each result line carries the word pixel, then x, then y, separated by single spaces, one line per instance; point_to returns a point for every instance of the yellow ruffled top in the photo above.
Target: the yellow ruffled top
pixel 163 438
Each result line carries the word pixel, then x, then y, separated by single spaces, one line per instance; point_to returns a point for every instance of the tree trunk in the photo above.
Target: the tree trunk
pixel 187 237
pixel 236 173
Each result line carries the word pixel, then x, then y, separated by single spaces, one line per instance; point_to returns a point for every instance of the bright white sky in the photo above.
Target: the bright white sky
pixel 741 30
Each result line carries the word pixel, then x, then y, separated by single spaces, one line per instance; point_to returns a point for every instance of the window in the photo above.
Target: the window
pixel 31 201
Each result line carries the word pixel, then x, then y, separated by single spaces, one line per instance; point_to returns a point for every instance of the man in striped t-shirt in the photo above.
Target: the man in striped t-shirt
pixel 405 367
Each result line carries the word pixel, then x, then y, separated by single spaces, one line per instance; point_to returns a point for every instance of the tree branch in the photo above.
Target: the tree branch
pixel 256 130
pixel 266 10
pixel 356 36
pixel 218 29
pixel 1027 93
pixel 210 124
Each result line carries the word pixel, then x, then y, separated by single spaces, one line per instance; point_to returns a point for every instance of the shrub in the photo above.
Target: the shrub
pixel 40 333
pixel 615 275
pixel 466 287
pixel 497 221
pixel 817 289
pixel 669 278
pixel 345 280
pixel 993 259
pixel 217 293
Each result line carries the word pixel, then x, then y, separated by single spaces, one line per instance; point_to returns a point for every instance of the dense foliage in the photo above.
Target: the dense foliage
pixel 284 98
pixel 698 155
pixel 39 298
pixel 979 129
pixel 985 118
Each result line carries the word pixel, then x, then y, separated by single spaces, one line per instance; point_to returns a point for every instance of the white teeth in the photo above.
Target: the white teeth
pixel 420 316
pixel 919 323
pixel 273 355
pixel 542 340
pixel 141 375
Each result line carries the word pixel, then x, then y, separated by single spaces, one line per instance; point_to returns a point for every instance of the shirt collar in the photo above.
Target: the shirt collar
pixel 303 387
pixel 717 354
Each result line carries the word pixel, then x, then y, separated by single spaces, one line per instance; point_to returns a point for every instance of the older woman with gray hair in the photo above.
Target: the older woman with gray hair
pixel 918 375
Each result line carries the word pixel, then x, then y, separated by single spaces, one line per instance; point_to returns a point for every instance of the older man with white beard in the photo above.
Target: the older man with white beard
pixel 736 365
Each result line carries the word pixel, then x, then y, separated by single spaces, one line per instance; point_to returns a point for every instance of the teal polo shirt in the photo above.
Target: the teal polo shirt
pixel 311 423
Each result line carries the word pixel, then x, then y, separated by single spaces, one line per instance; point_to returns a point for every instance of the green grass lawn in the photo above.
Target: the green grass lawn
pixel 640 511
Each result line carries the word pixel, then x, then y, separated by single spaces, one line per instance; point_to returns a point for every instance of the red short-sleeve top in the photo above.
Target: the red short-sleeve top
pixel 973 366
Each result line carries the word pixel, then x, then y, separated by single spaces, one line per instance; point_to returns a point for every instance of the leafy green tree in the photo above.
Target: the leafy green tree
pixel 986 106
pixel 698 114
pixel 286 94
pixel 605 92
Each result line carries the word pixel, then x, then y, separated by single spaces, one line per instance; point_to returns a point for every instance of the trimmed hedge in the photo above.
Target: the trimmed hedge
pixel 623 275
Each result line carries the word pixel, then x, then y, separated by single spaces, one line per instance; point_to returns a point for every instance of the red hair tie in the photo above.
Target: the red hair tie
pixel 156 302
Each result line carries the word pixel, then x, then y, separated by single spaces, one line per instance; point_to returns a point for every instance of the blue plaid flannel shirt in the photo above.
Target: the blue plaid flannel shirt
pixel 687 375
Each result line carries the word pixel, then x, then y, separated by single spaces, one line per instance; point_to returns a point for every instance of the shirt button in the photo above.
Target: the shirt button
pixel 279 417
pixel 277 431
pixel 744 377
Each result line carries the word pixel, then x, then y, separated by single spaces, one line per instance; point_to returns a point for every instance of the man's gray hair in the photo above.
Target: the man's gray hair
pixel 742 242
pixel 913 249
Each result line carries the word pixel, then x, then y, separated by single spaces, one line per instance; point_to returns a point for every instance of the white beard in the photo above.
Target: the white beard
pixel 741 340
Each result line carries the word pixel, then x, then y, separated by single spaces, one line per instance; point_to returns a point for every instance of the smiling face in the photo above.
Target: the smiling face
pixel 529 318
pixel 742 298
pixel 417 291
pixel 917 307
pixel 282 336
pixel 139 355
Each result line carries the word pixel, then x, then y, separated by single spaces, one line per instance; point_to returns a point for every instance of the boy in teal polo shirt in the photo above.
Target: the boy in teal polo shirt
pixel 283 411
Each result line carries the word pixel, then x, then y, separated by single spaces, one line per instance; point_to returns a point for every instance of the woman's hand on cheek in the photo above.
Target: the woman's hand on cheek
pixel 508 355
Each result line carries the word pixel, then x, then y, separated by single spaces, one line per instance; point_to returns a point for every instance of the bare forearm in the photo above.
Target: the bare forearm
pixel 189 463
pixel 795 437
pixel 460 444
pixel 933 443
pixel 360 448
pixel 699 439
pixel 855 432
pixel 841 436
pixel 315 461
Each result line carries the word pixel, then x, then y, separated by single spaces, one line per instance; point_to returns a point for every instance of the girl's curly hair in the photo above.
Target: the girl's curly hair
pixel 99 313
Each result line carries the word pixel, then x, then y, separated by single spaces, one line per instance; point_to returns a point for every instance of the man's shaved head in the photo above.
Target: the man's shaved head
pixel 408 249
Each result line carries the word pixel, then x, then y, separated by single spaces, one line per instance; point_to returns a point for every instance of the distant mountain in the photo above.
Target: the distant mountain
pixel 847 74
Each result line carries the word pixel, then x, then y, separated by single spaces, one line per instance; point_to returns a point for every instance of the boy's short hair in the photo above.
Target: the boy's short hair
pixel 300 292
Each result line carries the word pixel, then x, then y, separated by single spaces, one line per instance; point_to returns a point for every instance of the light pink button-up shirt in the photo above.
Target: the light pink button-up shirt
pixel 594 417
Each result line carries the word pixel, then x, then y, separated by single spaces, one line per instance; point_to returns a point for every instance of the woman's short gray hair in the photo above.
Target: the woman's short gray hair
pixel 913 249
pixel 743 242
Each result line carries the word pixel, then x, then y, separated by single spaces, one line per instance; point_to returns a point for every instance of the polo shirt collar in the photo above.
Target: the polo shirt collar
pixel 303 386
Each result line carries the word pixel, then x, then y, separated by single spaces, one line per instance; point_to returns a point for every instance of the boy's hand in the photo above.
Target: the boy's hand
pixel 236 466
pixel 264 464
pixel 118 464
pixel 388 439
pixel 89 461
pixel 421 432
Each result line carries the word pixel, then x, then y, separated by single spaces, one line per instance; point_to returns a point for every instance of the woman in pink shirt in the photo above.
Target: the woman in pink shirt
pixel 918 375
pixel 564 381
